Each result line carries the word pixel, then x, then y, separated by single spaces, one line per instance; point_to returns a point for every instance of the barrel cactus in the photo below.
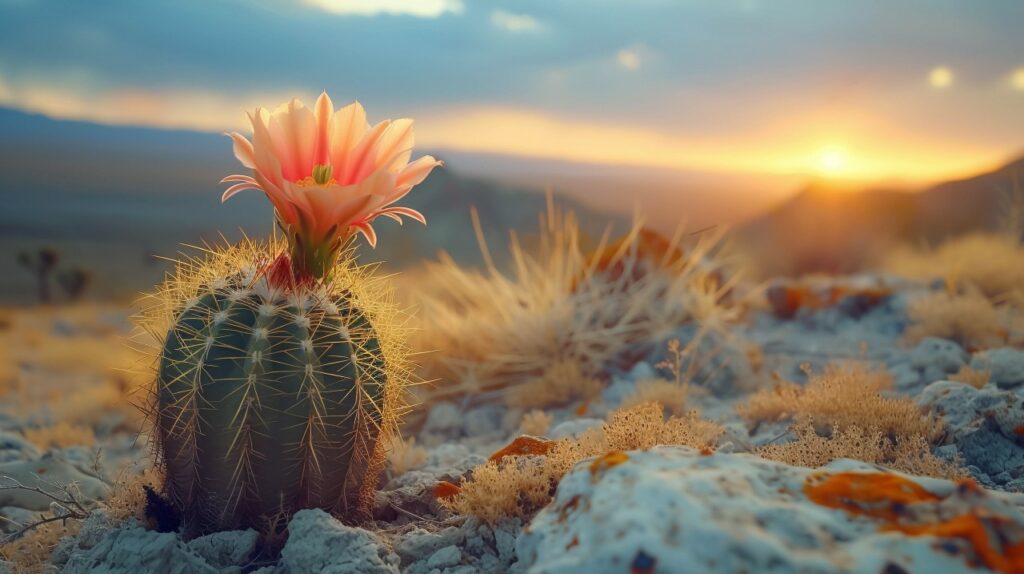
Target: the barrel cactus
pixel 281 367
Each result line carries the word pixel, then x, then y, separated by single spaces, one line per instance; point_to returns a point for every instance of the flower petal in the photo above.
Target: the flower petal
pixel 347 129
pixel 361 162
pixel 234 189
pixel 417 171
pixel 322 147
pixel 243 149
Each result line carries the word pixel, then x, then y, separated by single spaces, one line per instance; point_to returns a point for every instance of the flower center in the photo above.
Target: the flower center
pixel 321 176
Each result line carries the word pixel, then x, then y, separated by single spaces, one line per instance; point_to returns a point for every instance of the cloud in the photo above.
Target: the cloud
pixel 514 22
pixel 192 109
pixel 417 8
pixel 628 58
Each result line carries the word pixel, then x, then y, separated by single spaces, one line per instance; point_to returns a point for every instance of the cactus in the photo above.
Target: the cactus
pixel 269 400
pixel 281 367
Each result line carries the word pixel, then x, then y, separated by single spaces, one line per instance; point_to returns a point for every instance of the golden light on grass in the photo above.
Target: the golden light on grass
pixel 941 77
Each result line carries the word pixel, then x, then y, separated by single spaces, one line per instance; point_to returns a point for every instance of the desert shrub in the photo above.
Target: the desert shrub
pixel 969 319
pixel 911 454
pixel 405 455
pixel 60 435
pixel 30 554
pixel 564 304
pixel 843 397
pixel 535 423
pixel 972 377
pixel 521 485
pixel 668 394
pixel 561 382
pixel 993 263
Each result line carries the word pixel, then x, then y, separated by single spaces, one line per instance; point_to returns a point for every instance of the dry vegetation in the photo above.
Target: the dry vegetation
pixel 970 319
pixel 984 301
pixel 60 435
pixel 535 423
pixel 911 454
pixel 564 312
pixel 843 397
pixel 972 377
pixel 668 394
pixel 520 485
pixel 405 455
pixel 842 413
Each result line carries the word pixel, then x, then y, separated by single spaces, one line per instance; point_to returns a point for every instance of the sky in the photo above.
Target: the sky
pixel 914 90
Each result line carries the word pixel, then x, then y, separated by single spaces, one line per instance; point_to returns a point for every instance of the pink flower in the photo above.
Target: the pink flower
pixel 329 173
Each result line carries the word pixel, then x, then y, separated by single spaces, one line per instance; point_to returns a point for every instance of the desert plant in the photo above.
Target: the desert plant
pixel 969 319
pixel 73 282
pixel 280 371
pixel 520 483
pixel 564 304
pixel 41 264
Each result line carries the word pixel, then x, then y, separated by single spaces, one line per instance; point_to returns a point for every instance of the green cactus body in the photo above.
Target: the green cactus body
pixel 269 403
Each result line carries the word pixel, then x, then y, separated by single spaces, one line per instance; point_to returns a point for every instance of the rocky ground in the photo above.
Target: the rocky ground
pixel 669 509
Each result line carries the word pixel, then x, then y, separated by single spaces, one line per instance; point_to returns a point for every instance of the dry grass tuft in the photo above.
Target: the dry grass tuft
pixel 910 454
pixel 992 263
pixel 560 383
pixel 668 394
pixel 30 554
pixel 535 423
pixel 405 455
pixel 521 485
pixel 60 435
pixel 843 397
pixel 970 319
pixel 969 376
pixel 562 304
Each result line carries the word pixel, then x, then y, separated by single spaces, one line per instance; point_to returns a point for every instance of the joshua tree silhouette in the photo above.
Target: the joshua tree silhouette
pixel 41 263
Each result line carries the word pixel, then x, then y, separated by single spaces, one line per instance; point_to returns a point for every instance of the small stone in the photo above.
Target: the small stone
pixel 447 556
pixel 1005 366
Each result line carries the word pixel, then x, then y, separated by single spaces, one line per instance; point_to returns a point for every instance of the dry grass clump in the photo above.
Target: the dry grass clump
pixel 993 263
pixel 60 435
pixel 669 394
pixel 910 454
pixel 521 485
pixel 30 554
pixel 560 383
pixel 843 397
pixel 564 304
pixel 405 455
pixel 535 423
pixel 969 319
pixel 972 377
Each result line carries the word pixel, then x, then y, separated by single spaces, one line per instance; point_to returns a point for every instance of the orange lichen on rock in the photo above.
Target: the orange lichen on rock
pixel 787 300
pixel 878 495
pixel 524 445
pixel 608 460
pixel 996 541
pixel 444 489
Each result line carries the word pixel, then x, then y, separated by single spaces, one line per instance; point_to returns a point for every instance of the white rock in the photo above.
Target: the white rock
pixel 48 473
pixel 673 510
pixel 447 556
pixel 573 427
pixel 132 549
pixel 1005 366
pixel 319 543
pixel 226 549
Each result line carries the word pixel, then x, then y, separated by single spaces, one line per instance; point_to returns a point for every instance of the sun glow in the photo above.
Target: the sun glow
pixel 832 161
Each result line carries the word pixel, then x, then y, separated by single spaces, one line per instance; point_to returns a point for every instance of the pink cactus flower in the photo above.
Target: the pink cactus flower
pixel 329 174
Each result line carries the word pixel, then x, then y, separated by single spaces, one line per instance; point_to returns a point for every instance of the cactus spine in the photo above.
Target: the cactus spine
pixel 270 400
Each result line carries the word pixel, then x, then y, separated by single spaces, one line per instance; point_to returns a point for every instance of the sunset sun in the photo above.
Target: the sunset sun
pixel 832 162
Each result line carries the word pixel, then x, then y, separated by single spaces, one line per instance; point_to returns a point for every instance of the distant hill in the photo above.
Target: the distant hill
pixel 113 200
pixel 834 230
